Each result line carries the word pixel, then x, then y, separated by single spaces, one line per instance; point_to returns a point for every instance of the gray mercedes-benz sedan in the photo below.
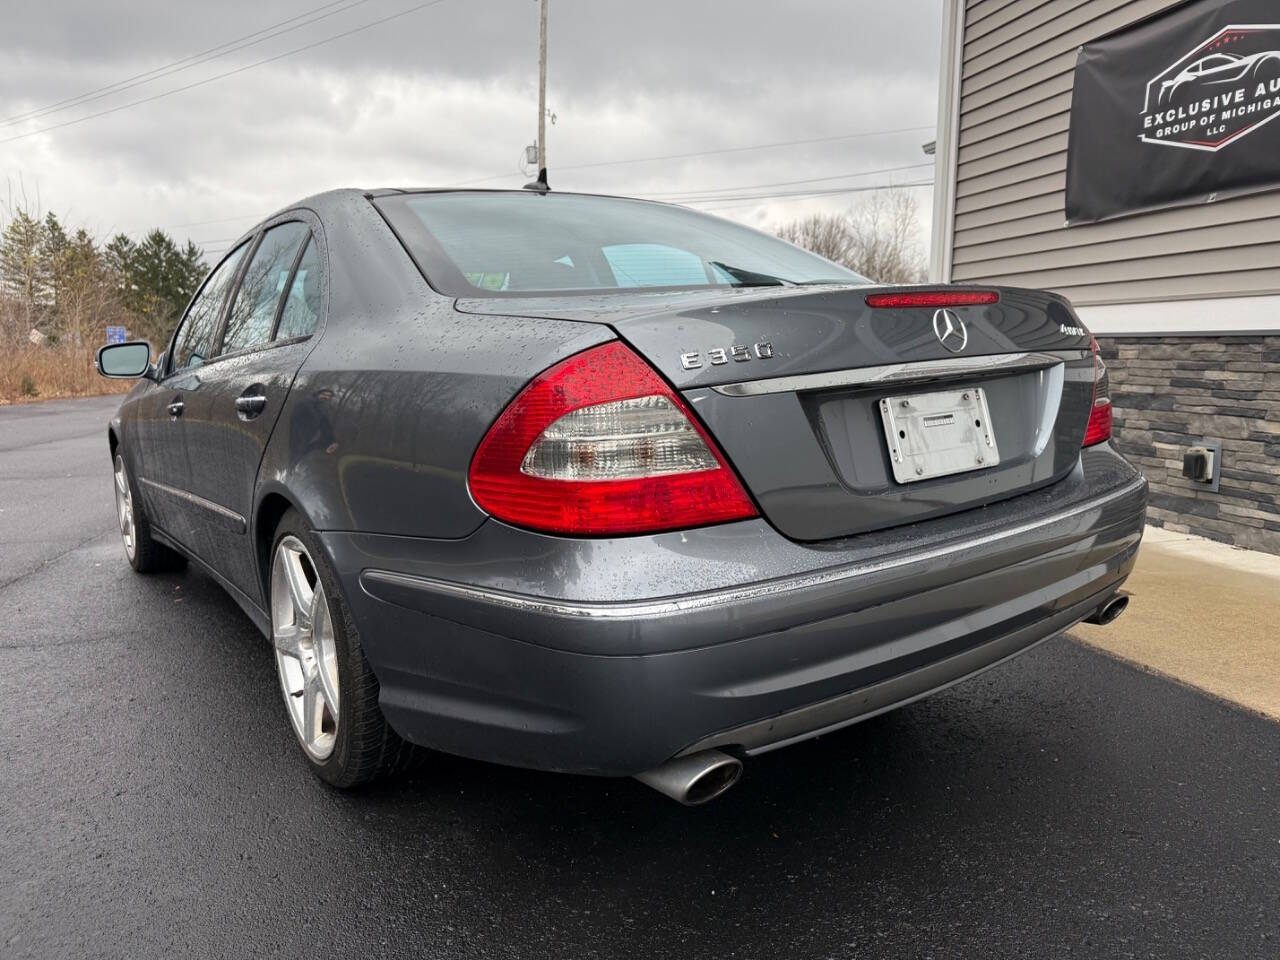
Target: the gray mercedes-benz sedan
pixel 606 486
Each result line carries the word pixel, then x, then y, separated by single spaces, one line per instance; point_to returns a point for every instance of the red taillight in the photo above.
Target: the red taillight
pixel 1099 428
pixel 933 298
pixel 599 444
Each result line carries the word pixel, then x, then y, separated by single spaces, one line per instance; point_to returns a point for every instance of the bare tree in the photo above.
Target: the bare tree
pixel 63 286
pixel 877 239
pixel 885 228
pixel 88 298
pixel 826 235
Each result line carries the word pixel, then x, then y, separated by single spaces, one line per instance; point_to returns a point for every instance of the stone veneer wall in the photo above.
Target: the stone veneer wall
pixel 1171 392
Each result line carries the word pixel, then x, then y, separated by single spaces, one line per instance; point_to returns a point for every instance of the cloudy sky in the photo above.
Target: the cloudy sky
pixel 445 93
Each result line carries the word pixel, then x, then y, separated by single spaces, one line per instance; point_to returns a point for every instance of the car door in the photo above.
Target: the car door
pixel 163 470
pixel 230 415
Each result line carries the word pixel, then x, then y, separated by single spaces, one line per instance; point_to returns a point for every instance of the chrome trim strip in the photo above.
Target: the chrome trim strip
pixel 234 519
pixel 899 373
pixel 677 606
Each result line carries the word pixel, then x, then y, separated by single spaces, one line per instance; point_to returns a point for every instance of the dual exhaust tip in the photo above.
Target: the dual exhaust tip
pixel 701 777
pixel 696 779
pixel 1109 609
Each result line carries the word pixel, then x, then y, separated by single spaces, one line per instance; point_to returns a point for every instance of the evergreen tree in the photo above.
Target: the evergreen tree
pixel 194 266
pixel 155 278
pixel 53 242
pixel 53 252
pixel 119 255
pixel 166 274
pixel 155 274
pixel 71 288
pixel 22 272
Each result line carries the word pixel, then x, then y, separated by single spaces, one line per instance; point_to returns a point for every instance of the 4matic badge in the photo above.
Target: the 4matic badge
pixel 1218 93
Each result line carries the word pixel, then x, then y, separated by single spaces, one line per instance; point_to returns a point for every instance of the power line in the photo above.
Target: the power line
pixel 691 196
pixel 228 73
pixel 814 195
pixel 742 202
pixel 198 223
pixel 708 153
pixel 804 193
pixel 206 223
pixel 694 195
pixel 185 63
pixel 696 198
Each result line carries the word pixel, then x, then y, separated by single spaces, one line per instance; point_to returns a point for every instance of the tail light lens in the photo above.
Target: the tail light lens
pixel 600 445
pixel 932 298
pixel 1099 428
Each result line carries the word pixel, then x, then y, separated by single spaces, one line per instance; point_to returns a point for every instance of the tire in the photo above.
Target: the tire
pixel 320 663
pixel 145 554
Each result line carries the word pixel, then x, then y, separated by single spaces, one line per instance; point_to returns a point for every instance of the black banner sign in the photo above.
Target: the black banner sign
pixel 1175 110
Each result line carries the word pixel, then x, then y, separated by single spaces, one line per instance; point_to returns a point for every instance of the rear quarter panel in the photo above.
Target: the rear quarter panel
pixel 380 427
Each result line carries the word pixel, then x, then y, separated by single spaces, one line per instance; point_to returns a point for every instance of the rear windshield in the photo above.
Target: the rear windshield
pixel 502 244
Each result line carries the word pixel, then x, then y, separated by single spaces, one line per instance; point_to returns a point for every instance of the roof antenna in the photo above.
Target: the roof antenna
pixel 540 185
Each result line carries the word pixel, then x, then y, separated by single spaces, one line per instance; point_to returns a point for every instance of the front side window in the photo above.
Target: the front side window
pixel 501 243
pixel 194 343
pixel 301 310
pixel 253 310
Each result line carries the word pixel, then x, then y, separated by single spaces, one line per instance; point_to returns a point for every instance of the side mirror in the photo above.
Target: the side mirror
pixel 125 361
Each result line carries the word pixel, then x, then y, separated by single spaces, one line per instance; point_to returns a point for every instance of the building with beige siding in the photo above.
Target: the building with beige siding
pixel 1184 300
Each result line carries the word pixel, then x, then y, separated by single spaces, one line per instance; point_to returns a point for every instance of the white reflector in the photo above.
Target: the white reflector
pixel 620 440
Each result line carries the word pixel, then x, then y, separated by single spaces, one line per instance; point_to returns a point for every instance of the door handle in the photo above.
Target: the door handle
pixel 175 409
pixel 250 405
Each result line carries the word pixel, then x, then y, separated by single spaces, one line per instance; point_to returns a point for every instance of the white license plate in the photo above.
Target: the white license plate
pixel 939 434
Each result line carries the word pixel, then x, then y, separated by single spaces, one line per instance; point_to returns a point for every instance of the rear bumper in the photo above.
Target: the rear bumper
pixel 613 656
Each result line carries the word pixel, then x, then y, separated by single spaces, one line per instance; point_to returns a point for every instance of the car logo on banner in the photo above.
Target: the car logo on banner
pixel 950 331
pixel 1218 93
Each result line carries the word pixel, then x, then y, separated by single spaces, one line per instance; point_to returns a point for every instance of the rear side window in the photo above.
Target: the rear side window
pixel 253 311
pixel 302 305
pixel 194 343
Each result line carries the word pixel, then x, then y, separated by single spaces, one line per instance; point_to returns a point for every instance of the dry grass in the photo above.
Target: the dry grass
pixel 29 373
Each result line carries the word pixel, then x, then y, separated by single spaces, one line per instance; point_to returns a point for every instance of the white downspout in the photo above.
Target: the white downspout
pixel 945 161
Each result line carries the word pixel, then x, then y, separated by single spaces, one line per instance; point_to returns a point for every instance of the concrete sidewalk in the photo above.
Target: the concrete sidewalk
pixel 1205 614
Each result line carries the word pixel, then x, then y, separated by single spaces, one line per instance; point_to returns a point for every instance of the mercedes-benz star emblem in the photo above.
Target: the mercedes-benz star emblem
pixel 950 331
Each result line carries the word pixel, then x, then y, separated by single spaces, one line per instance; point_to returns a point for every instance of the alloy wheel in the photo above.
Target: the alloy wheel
pixel 124 509
pixel 305 647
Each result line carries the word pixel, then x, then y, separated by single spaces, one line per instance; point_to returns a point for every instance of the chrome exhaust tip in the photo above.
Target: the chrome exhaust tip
pixel 696 779
pixel 1109 610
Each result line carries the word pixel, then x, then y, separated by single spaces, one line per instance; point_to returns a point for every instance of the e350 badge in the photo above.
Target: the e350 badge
pixel 738 353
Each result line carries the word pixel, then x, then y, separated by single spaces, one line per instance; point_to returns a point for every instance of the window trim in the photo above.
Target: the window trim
pixel 288 288
pixel 302 214
pixel 256 348
pixel 401 226
pixel 170 372
pixel 239 282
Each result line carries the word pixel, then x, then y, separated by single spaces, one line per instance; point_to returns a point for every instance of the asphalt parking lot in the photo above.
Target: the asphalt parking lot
pixel 152 805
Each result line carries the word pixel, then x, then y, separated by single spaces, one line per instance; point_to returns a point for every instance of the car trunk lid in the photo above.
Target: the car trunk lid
pixel 823 403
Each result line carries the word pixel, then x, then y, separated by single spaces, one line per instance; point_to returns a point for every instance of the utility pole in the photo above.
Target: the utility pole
pixel 542 89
